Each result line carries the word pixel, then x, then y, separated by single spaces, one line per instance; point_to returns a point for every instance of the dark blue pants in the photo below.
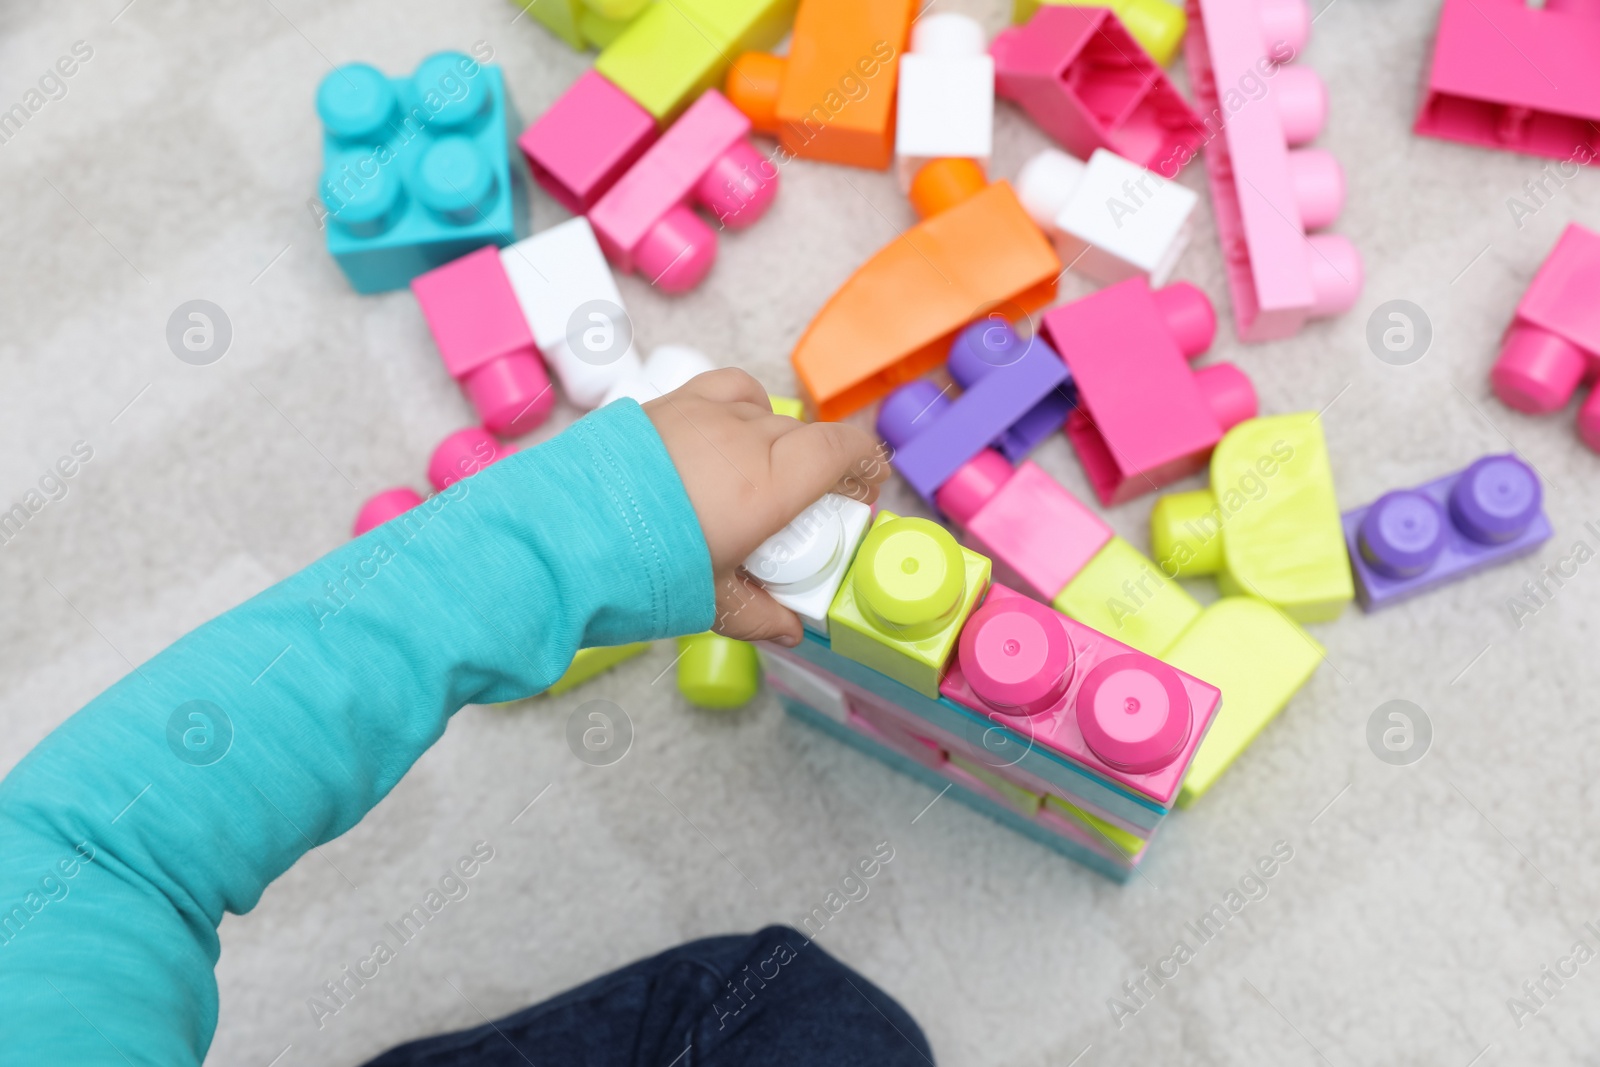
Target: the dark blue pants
pixel 771 999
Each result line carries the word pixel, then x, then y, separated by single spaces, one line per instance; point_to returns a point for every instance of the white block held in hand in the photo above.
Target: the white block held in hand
pixel 946 101
pixel 1110 219
pixel 804 564
pixel 667 368
pixel 572 305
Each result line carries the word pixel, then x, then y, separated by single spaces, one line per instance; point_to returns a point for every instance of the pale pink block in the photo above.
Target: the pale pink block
pixel 645 223
pixel 1265 195
pixel 586 141
pixel 387 505
pixel 463 454
pixel 1511 75
pixel 485 341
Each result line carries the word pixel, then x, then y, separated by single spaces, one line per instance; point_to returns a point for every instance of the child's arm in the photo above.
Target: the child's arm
pixel 122 843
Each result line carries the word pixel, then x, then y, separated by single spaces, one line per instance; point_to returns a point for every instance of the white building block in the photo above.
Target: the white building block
pixel 946 102
pixel 665 369
pixel 803 564
pixel 813 688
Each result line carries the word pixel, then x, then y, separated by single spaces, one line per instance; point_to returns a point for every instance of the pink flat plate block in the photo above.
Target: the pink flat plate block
pixel 1506 74
pixel 586 141
pixel 1265 196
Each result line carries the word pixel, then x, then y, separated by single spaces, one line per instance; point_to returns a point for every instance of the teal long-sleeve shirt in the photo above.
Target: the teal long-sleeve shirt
pixel 188 786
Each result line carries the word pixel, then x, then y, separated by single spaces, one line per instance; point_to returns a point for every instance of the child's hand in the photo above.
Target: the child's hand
pixel 749 473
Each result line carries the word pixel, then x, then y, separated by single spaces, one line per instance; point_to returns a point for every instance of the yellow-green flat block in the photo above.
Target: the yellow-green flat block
pixel 677 49
pixel 1158 26
pixel 590 662
pixel 788 405
pixel 584 24
pixel 1259 658
pixel 901 608
pixel 1124 595
pixel 1025 801
pixel 601 30
pixel 1124 841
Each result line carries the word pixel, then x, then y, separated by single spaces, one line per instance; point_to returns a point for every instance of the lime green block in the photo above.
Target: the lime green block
pixel 788 405
pixel 902 606
pixel 590 662
pixel 1158 26
pixel 717 672
pixel 1025 801
pixel 1272 510
pixel 1259 658
pixel 584 24
pixel 1124 841
pixel 1125 596
pixel 602 29
pixel 677 49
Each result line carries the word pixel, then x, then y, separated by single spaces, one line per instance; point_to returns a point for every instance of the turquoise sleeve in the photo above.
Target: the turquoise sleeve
pixel 188 786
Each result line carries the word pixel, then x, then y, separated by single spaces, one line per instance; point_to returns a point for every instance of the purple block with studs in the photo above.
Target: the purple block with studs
pixel 1413 540
pixel 1006 381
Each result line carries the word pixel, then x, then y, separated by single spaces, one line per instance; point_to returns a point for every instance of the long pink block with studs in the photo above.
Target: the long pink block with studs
pixel 1267 194
pixel 645 223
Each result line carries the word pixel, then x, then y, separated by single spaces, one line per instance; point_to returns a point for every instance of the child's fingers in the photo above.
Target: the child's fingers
pixel 727 386
pixel 746 612
pixel 824 457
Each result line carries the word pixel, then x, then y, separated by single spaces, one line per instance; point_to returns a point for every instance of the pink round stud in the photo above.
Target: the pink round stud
pixel 1318 184
pixel 739 187
pixel 1228 393
pixel 380 509
pixel 463 454
pixel 1302 104
pixel 1188 315
pixel 1016 655
pixel 1285 25
pixel 512 394
pixel 1589 421
pixel 1133 713
pixel 1537 371
pixel 1336 274
pixel 677 253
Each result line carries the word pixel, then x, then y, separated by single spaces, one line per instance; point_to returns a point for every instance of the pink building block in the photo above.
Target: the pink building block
pixel 1116 711
pixel 586 141
pixel 1078 73
pixel 1553 344
pixel 645 222
pixel 389 504
pixel 463 454
pixel 1267 195
pixel 485 342
pixel 1144 418
pixel 1512 74
pixel 1038 535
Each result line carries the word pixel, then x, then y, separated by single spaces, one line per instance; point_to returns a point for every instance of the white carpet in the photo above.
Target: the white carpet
pixel 179 165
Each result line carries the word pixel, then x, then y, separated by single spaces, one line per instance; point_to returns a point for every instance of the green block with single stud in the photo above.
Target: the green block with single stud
pixel 717 672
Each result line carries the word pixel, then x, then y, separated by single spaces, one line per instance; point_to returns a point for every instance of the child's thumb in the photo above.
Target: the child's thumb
pixel 747 612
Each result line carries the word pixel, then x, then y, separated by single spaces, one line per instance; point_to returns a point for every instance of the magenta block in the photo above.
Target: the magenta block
pixel 645 222
pixel 463 454
pixel 1038 535
pixel 1078 73
pixel 933 435
pixel 389 504
pixel 1413 540
pixel 586 141
pixel 1553 344
pixel 1508 74
pixel 1268 195
pixel 1075 691
pixel 485 341
pixel 1144 418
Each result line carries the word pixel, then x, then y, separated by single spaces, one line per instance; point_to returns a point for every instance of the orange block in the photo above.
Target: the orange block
pixel 832 99
pixel 975 253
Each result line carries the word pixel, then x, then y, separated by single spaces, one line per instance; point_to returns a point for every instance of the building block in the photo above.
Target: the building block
pixel 587 140
pixel 645 224
pixel 788 407
pixel 812 686
pixel 1110 219
pixel 1515 75
pixel 1120 713
pixel 832 98
pixel 1412 540
pixel 484 340
pixel 1553 344
pixel 946 95
pixel 389 504
pixel 1259 658
pixel 584 24
pixel 1269 526
pixel 1267 194
pixel 933 435
pixel 1023 801
pixel 909 591
pixel 416 170
pixel 592 662
pixel 1083 79
pixel 673 52
pixel 866 716
pixel 990 343
pixel 668 367
pixel 463 454
pixel 1123 594
pixel 975 251
pixel 574 309
pixel 1156 24
pixel 1126 842
pixel 1144 419
pixel 717 672
pixel 803 565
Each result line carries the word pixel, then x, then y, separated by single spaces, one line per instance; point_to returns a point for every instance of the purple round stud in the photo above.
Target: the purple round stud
pixel 909 410
pixel 982 347
pixel 1495 499
pixel 1402 534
